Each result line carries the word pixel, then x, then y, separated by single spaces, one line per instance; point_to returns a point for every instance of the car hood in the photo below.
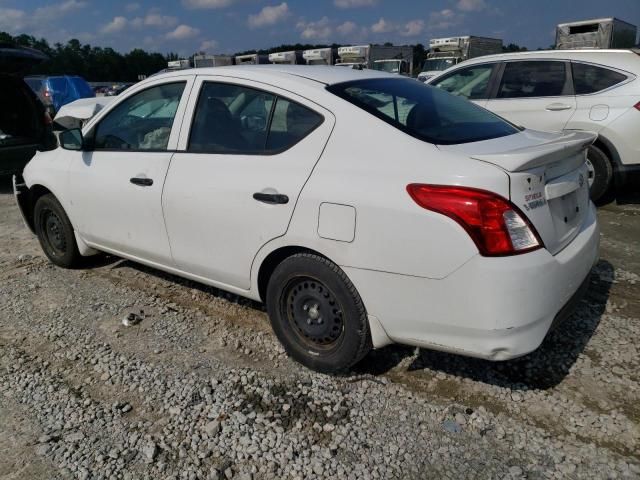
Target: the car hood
pixel 81 110
pixel 17 60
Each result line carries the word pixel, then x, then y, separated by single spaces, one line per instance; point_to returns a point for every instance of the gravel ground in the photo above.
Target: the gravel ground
pixel 200 388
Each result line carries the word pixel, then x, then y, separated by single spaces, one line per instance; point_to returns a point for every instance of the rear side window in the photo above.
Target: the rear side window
pixel 470 82
pixel 533 79
pixel 422 111
pixel 241 120
pixel 591 79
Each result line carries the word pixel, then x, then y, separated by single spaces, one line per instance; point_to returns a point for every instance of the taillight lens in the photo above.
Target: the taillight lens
pixel 47 119
pixel 496 226
pixel 637 106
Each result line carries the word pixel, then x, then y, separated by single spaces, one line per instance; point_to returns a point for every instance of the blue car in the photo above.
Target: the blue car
pixel 59 90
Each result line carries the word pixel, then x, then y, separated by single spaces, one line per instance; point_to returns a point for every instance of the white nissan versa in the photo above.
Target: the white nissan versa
pixel 361 207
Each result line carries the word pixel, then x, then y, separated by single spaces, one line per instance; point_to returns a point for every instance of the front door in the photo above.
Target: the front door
pixel 242 162
pixel 535 94
pixel 116 187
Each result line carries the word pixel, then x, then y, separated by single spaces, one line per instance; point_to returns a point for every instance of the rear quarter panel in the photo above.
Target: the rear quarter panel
pixel 367 165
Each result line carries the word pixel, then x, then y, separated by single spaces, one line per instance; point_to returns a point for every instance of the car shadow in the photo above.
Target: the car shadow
pixel 6 185
pixel 190 284
pixel 544 368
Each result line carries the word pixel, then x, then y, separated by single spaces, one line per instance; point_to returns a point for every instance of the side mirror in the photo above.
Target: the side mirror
pixel 71 139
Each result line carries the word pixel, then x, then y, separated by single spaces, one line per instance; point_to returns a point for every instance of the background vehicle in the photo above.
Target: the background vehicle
pixel 593 90
pixel 117 89
pixel 320 56
pixel 251 59
pixel 292 57
pixel 445 53
pixel 180 64
pixel 203 61
pixel 597 33
pixel 56 91
pixel 273 183
pixel 391 59
pixel 24 124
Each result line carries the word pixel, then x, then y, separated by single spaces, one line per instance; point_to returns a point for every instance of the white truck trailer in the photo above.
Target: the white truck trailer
pixel 179 64
pixel 201 61
pixel 393 59
pixel 252 59
pixel 293 57
pixel 447 52
pixel 597 33
pixel 320 56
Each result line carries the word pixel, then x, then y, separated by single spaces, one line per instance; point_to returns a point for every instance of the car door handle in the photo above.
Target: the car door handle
pixel 272 198
pixel 142 181
pixel 558 107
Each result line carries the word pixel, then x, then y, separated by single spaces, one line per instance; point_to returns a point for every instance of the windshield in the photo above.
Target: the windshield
pixel 422 111
pixel 438 64
pixel 391 66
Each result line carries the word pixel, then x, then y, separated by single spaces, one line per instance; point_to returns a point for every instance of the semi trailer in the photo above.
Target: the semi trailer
pixel 393 59
pixel 293 57
pixel 252 59
pixel 320 56
pixel 200 61
pixel 598 33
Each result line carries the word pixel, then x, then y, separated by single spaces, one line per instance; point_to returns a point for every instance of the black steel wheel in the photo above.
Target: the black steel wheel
pixel 313 312
pixel 55 232
pixel 317 313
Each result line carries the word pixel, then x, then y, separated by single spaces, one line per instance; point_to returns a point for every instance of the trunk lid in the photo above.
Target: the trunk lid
pixel 548 178
pixel 18 60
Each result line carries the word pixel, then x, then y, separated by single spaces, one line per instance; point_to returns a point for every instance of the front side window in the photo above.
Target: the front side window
pixel 142 121
pixel 591 79
pixel 422 111
pixel 470 82
pixel 533 79
pixel 236 119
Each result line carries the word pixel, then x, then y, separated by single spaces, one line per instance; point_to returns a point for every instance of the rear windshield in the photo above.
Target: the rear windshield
pixel 424 112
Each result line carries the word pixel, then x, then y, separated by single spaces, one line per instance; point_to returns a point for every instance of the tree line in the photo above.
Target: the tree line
pixel 105 64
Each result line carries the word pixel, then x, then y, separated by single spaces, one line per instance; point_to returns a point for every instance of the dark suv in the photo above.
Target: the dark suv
pixel 25 126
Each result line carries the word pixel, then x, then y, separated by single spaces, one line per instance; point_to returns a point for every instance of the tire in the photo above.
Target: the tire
pixel 55 232
pixel 600 173
pixel 317 314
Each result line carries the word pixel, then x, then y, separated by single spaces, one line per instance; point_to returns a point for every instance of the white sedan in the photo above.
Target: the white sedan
pixel 361 207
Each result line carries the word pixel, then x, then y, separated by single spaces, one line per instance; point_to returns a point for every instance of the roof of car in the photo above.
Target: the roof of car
pixel 326 75
pixel 627 60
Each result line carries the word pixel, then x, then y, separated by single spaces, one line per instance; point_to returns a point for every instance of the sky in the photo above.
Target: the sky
pixel 228 26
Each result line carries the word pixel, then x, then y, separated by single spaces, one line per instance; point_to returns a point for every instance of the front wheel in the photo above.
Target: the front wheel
pixel 600 172
pixel 317 314
pixel 55 232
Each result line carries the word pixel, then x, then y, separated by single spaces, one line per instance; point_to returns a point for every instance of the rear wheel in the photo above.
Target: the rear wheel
pixel 55 232
pixel 317 314
pixel 600 172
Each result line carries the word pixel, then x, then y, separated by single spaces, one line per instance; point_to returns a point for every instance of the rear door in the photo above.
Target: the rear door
pixel 535 94
pixel 245 151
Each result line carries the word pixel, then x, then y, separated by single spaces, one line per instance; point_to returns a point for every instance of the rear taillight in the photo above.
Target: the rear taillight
pixel 47 119
pixel 496 226
pixel 637 106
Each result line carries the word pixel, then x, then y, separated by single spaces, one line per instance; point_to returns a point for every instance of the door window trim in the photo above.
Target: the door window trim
pixel 264 152
pixel 503 64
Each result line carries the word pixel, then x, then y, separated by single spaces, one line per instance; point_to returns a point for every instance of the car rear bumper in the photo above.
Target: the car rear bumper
pixel 627 175
pixel 492 308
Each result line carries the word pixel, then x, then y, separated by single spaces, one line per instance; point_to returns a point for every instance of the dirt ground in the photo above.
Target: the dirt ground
pixel 581 388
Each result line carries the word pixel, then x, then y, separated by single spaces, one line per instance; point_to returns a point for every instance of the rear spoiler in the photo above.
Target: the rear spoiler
pixel 526 158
